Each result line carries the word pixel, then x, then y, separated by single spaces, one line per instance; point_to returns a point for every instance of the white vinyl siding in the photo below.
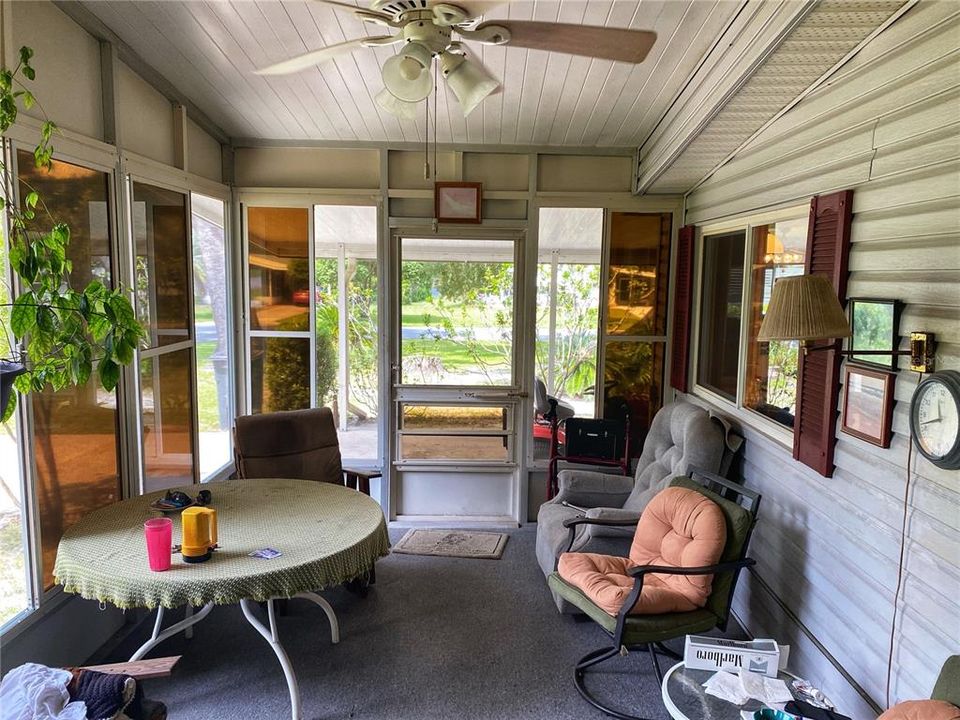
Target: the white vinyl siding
pixel 886 124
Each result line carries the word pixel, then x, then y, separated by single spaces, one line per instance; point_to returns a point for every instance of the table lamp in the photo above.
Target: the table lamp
pixel 806 308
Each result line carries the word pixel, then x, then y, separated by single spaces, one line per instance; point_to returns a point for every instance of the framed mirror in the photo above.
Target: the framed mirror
pixel 876 326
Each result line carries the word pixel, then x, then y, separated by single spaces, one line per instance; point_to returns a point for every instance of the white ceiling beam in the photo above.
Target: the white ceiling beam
pixel 441 147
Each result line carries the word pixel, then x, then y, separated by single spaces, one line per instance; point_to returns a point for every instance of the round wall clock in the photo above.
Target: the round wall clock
pixel 934 414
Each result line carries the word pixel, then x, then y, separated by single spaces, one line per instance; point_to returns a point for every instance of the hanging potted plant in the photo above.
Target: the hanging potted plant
pixel 59 333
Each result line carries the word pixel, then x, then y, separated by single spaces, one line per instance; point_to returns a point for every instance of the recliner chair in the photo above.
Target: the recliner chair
pixel 681 436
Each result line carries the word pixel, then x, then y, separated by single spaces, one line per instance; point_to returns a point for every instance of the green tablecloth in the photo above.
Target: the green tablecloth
pixel 328 535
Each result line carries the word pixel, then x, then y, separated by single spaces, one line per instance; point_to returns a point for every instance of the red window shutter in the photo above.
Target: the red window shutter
pixel 682 301
pixel 818 384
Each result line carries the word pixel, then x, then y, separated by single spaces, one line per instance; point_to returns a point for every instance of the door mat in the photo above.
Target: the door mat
pixel 452 543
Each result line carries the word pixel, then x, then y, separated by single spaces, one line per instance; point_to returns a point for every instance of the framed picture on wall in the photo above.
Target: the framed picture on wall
pixel 868 404
pixel 876 325
pixel 457 202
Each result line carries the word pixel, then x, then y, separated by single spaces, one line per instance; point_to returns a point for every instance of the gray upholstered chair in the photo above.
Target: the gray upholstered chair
pixel 298 444
pixel 682 436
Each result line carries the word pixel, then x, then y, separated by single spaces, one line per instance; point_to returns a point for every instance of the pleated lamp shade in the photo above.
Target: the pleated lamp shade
pixel 804 307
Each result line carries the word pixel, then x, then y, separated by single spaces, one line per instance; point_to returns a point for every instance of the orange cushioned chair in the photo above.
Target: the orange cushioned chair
pixel 689 546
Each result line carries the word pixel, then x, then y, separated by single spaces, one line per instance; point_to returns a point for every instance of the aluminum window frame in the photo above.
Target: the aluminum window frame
pixel 310 200
pixel 163 181
pixel 778 432
pixel 91 156
pixel 119 167
pixel 609 203
pixel 229 252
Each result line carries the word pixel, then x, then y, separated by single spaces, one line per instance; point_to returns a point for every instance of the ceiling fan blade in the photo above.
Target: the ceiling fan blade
pixel 606 43
pixel 302 62
pixel 350 8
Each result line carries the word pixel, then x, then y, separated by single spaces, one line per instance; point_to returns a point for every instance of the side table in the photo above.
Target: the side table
pixel 685 698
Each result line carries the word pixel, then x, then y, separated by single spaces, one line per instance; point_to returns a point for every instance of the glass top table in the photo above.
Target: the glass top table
pixel 686 699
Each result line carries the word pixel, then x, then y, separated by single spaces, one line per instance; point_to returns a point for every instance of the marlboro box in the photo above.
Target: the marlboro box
pixel 709 653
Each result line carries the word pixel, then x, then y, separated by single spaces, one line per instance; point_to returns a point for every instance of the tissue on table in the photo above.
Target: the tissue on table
pixel 726 686
pixel 770 691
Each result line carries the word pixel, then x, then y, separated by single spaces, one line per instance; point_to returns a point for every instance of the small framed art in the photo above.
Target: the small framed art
pixel 875 325
pixel 868 404
pixel 457 202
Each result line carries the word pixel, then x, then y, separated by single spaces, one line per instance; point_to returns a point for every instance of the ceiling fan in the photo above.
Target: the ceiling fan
pixel 427 30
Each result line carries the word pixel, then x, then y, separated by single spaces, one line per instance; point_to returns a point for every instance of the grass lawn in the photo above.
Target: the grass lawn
pixel 207 396
pixel 454 355
pixel 13 581
pixel 416 315
pixel 202 313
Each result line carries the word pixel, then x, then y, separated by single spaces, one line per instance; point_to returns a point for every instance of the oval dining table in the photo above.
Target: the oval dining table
pixel 327 535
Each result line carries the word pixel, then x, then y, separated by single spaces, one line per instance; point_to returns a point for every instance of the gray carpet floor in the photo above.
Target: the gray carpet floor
pixel 436 638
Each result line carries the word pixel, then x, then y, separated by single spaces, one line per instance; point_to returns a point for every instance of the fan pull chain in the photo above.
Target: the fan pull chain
pixel 436 84
pixel 426 143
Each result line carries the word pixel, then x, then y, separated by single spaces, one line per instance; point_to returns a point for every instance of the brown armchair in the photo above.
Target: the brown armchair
pixel 298 444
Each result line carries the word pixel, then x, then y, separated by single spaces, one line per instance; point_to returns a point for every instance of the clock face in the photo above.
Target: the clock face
pixel 935 418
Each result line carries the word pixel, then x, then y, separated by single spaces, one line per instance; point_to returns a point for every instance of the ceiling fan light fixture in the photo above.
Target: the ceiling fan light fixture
pixel 468 80
pixel 395 106
pixel 406 75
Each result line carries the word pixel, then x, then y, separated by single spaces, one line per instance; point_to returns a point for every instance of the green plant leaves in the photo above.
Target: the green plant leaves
pixel 109 373
pixel 63 330
pixel 11 407
pixel 23 317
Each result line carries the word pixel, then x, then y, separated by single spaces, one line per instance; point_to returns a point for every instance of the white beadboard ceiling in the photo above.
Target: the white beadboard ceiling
pixel 208 51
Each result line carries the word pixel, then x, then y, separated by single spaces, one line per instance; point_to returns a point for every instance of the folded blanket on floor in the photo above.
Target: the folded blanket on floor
pixel 104 694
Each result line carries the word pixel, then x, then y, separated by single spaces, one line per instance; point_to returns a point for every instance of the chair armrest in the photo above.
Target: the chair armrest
pixel 612 531
pixel 642 570
pixel 591 489
pixel 360 478
pixel 573 523
pixel 638 573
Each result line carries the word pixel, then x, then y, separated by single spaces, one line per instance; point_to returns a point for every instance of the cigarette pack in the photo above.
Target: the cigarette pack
pixel 709 653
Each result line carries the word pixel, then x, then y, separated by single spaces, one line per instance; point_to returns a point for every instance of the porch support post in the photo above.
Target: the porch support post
pixel 552 340
pixel 343 369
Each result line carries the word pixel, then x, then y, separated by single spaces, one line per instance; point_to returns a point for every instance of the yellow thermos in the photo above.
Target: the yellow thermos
pixel 199 533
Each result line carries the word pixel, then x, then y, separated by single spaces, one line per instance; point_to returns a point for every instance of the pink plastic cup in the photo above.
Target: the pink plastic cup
pixel 159 535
